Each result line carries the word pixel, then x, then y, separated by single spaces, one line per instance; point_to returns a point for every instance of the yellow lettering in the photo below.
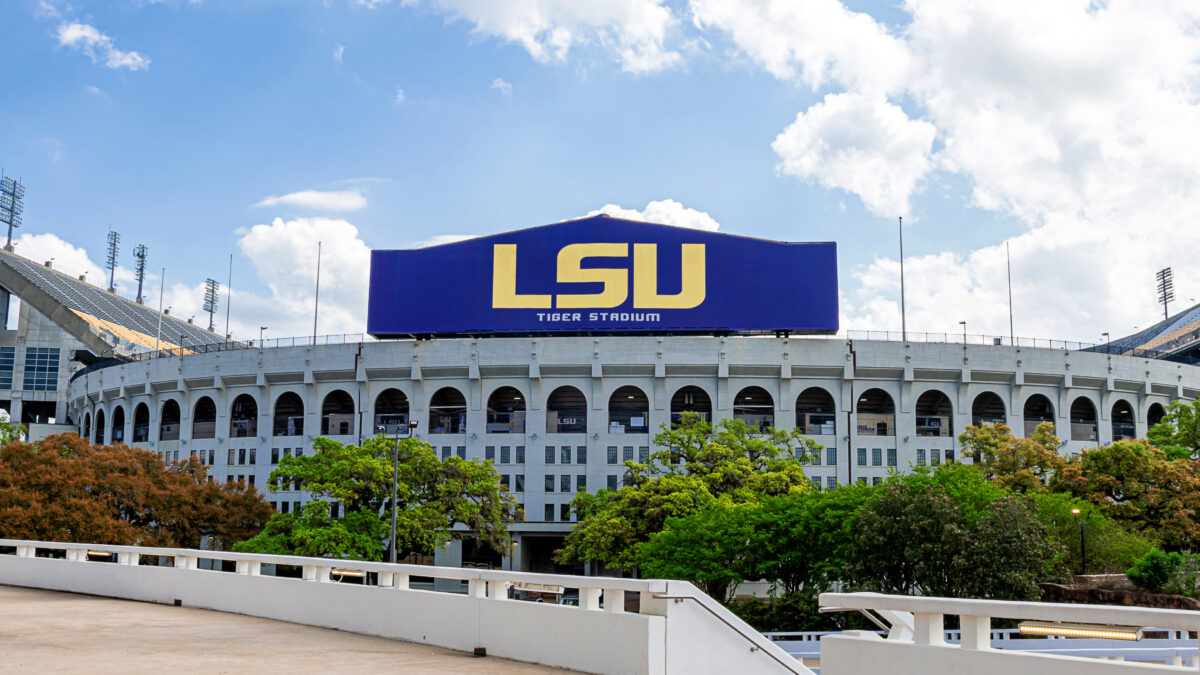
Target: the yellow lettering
pixel 504 282
pixel 692 286
pixel 616 281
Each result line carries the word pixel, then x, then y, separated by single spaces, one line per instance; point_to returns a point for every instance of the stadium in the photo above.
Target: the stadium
pixel 558 352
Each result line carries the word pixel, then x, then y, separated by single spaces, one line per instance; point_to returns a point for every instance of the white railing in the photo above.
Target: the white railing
pixel 918 642
pixel 676 628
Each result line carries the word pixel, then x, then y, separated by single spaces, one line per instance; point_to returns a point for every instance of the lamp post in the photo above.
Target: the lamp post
pixel 1107 342
pixel 1082 538
pixel 964 325
pixel 382 428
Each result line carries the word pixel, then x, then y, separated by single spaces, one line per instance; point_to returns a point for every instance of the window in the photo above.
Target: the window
pixel 566 454
pixel 284 507
pixel 862 456
pixel 581 483
pixel 920 458
pixel 241 479
pixel 815 457
pixel 274 506
pixel 862 480
pixel 193 454
pixel 581 454
pixel 549 513
pixel 490 452
pixel 445 452
pixel 212 455
pixel 241 456
pixel 830 483
pixel 252 479
pixel 627 453
pixel 521 512
pixel 232 456
pixel 564 512
pixel 564 483
pixel 950 456
pixel 274 455
pixel 612 454
pixel 41 369
pixel 8 356
pixel 176 453
pixel 253 453
pixel 612 481
pixel 333 510
pixel 287 452
pixel 876 457
pixel 520 486
pixel 505 454
pixel 644 454
pixel 299 452
pixel 891 457
pixel 462 452
pixel 935 457
pixel 549 454
pixel 504 481
pixel 876 480
pixel 831 456
pixel 295 506
pixel 816 483
pixel 549 483
pixel 520 454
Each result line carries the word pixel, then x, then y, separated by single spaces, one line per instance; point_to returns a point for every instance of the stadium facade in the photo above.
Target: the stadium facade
pixel 560 403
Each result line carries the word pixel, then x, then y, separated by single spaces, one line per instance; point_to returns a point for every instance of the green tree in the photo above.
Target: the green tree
pixel 1018 464
pixel 1139 487
pixel 710 547
pixel 696 465
pixel 949 533
pixel 1154 570
pixel 1178 433
pixel 432 498
pixel 1110 547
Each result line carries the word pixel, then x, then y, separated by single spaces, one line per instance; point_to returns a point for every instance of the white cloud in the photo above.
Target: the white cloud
pixel 319 200
pixel 371 4
pixel 439 239
pixel 399 96
pixel 861 144
pixel 503 87
pixel 636 31
pixel 338 51
pixel 815 40
pixel 665 212
pixel 99 47
pixel 95 91
pixel 1080 119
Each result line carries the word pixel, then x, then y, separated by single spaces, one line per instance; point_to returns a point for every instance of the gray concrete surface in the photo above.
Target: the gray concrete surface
pixel 46 631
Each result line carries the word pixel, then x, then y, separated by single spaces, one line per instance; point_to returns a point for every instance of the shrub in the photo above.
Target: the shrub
pixel 1154 570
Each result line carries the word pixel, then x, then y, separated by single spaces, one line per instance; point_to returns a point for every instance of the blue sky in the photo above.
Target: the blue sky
pixel 169 121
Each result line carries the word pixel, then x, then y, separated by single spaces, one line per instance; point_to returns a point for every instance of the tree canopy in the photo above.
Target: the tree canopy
pixel 696 466
pixel 433 497
pixel 1178 433
pixel 62 488
pixel 1019 464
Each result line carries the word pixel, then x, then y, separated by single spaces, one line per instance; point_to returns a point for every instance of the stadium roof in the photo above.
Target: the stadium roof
pixel 1173 338
pixel 110 326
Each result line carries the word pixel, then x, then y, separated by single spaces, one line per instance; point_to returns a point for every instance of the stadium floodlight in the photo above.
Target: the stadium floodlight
pixel 1166 288
pixel 212 289
pixel 139 257
pixel 110 262
pixel 12 204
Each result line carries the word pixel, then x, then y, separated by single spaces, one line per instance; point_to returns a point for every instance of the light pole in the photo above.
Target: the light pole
pixel 903 319
pixel 1107 342
pixel 964 325
pixel 382 428
pixel 1082 539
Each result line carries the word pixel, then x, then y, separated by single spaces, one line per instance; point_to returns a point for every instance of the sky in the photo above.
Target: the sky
pixel 1067 131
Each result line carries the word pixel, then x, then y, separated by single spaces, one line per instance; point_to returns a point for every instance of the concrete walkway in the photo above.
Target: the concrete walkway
pixel 47 631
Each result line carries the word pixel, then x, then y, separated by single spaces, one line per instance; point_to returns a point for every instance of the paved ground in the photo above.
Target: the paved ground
pixel 46 631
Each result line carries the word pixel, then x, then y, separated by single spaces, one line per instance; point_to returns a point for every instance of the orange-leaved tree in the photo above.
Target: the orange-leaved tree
pixel 64 489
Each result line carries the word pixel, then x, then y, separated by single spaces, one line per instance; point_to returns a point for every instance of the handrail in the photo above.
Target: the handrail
pixel 458 573
pixel 753 638
pixel 1180 619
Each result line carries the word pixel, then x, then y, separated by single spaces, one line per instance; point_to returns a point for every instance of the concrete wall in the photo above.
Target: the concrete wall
pixel 679 630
